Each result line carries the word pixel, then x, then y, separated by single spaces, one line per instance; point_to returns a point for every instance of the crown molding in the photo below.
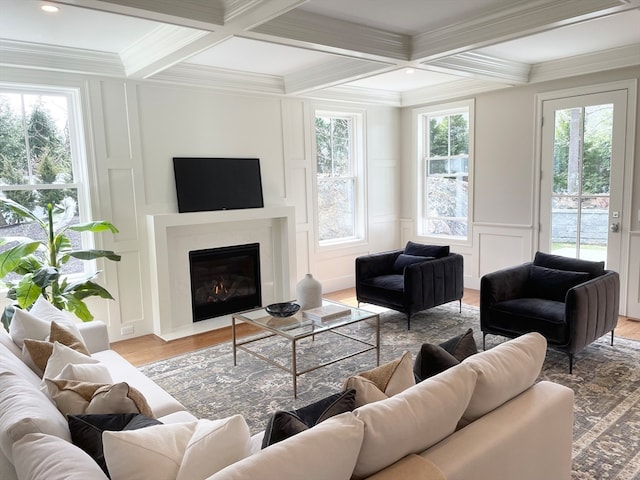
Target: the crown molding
pixel 156 46
pixel 448 91
pixel 481 66
pixel 336 71
pixel 332 35
pixel 524 18
pixel 614 58
pixel 61 59
pixel 221 79
pixel 234 8
pixel 358 95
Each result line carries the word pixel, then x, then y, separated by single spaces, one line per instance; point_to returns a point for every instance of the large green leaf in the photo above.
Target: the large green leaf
pixel 27 291
pixel 97 226
pixel 7 316
pixel 10 258
pixel 93 254
pixel 45 276
pixel 84 289
pixel 29 264
pixel 77 306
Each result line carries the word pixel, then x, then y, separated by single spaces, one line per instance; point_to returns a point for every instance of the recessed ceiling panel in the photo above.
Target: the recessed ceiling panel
pixel 595 35
pixel 23 20
pixel 258 57
pixel 401 81
pixel 409 17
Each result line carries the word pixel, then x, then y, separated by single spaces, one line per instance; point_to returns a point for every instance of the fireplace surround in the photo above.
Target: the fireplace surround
pixel 173 235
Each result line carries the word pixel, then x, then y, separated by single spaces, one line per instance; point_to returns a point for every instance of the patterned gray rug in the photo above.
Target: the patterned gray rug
pixel 606 381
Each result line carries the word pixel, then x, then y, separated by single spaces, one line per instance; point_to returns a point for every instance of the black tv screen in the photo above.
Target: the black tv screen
pixel 206 184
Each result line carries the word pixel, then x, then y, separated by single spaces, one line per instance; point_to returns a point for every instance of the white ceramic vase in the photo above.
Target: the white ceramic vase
pixel 309 292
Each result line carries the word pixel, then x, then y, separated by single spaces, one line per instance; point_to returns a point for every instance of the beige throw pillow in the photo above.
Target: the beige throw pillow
pixel 383 381
pixel 41 350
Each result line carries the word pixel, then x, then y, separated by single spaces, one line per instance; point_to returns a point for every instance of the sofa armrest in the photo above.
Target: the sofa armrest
pixel 592 308
pixel 368 266
pixel 412 466
pixel 434 282
pixel 95 335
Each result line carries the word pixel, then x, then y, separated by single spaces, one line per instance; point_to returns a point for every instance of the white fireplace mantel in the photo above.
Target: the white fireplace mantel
pixel 173 235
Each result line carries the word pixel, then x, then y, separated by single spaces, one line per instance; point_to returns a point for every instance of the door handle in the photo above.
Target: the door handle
pixel 614 227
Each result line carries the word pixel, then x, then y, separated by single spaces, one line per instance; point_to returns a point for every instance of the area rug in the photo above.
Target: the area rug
pixel 606 382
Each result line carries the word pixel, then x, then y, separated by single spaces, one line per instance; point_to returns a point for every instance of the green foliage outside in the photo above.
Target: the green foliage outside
pixel 34 150
pixel 335 179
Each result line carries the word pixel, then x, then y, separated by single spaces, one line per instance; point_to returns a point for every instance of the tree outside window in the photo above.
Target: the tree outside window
pixel 445 192
pixel 336 179
pixel 36 166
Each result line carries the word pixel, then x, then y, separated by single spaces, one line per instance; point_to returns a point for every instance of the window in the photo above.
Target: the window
pixel 338 184
pixel 39 164
pixel 444 146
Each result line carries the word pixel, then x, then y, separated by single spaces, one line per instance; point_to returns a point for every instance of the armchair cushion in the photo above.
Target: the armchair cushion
pixel 552 284
pixel 421 250
pixel 403 260
pixel 594 269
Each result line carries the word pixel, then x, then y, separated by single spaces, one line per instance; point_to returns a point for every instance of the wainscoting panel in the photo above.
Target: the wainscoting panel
pixel 303 247
pixel 116 125
pixel 300 192
pixel 501 246
pixel 633 297
pixel 124 217
pixel 131 307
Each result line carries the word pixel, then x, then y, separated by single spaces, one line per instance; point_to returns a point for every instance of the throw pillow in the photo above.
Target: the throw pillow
pixel 503 372
pixel 413 420
pixel 595 269
pixel 404 260
pixel 383 381
pixel 284 424
pixel 178 451
pixel 39 456
pixel 461 346
pixel 552 284
pixel 327 451
pixel 40 350
pixel 86 372
pixel 421 250
pixel 431 360
pixel 86 431
pixel 73 397
pixel 59 359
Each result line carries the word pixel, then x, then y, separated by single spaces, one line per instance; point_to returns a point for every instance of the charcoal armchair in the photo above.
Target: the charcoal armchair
pixel 410 280
pixel 571 302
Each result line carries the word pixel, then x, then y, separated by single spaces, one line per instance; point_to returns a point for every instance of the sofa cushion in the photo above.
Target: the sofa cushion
pixel 178 451
pixel 504 372
pixel 413 420
pixel 383 381
pixel 552 284
pixel 403 260
pixel 284 424
pixel 594 269
pixel 24 408
pixel 38 456
pixel 413 467
pixel 419 249
pixel 327 451
pixel 86 431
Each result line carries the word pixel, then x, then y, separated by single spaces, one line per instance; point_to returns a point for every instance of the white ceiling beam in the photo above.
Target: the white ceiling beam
pixel 476 65
pixel 334 72
pixel 523 19
pixel 459 89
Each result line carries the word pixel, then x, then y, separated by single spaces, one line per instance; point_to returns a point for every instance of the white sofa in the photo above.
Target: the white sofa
pixel 483 419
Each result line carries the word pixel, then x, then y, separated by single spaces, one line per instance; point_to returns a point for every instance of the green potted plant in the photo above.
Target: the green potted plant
pixel 38 263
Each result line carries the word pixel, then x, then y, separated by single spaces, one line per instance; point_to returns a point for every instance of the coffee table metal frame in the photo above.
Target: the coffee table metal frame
pixel 300 328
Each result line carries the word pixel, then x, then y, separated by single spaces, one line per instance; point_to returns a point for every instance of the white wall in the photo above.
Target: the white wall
pixel 503 231
pixel 134 129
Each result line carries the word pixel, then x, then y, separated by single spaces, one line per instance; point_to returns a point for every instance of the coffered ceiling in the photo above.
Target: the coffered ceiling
pixel 394 52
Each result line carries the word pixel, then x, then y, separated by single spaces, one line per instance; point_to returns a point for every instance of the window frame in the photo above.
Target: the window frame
pixel 358 175
pixel 421 118
pixel 79 158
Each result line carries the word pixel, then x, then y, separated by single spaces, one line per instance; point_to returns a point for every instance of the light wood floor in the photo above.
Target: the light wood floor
pixel 149 348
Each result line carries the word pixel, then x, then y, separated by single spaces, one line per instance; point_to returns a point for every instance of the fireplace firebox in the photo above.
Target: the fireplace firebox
pixel 225 280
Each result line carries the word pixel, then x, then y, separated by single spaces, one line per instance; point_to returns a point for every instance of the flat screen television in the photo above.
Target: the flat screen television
pixel 207 184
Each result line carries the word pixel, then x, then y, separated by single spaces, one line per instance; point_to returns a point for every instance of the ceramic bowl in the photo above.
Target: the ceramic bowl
pixel 285 309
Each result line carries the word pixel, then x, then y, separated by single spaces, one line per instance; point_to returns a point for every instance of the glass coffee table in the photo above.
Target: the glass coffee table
pixel 296 328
